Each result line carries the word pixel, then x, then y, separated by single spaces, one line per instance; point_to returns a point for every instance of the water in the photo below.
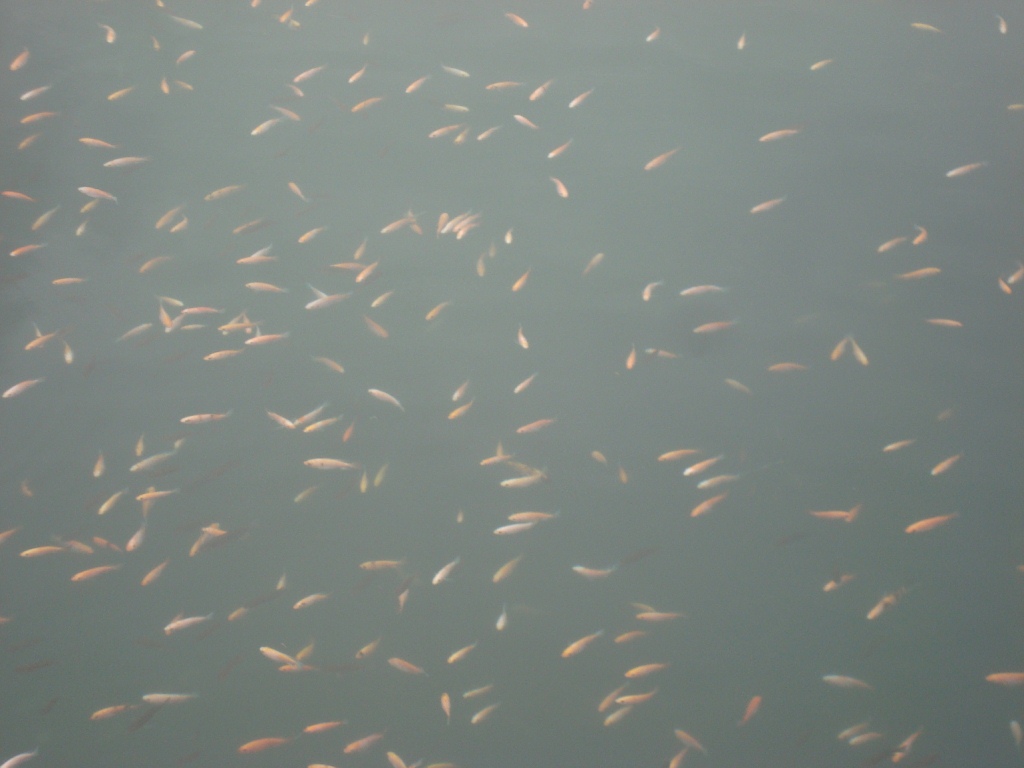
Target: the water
pixel 877 129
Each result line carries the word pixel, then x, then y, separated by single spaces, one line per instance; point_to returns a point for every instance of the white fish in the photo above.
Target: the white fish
pixel 325 300
pixel 165 698
pixel 21 759
pixel 384 397
pixel 444 573
pixel 515 528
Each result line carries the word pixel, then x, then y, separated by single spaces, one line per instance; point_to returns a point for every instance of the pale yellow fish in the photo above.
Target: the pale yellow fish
pixel 660 160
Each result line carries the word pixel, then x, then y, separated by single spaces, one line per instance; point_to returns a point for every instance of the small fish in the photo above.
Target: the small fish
pixel 929 523
pixel 384 397
pixel 363 744
pixel 445 572
pixel 752 707
pixel 519 21
pixel 767 205
pixel 181 623
pixel 405 666
pixel 97 194
pixel 661 159
pixel 577 646
pixel 844 681
pixel 780 134
pixel 945 465
pixel 258 745
pixel 24 757
pixel 963 170
pixel 484 713
pixel 1002 678
pixel 20 387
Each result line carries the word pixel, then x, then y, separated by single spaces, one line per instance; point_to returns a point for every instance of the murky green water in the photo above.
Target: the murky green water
pixel 871 242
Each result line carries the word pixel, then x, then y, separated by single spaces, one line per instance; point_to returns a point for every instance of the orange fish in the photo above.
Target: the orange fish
pixel 706 505
pixel 945 464
pixel 838 514
pixel 886 603
pixel 578 645
pixel 404 666
pixel 534 426
pixel 645 669
pixel 103 714
pixel 752 706
pixel 929 523
pixel 713 327
pixel 660 160
pixel 258 745
pixel 1006 678
pixel 689 741
pixel 321 727
pixel 361 745
pixel 91 573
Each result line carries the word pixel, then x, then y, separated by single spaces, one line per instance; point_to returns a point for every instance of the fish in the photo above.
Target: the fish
pixel 945 465
pixel 185 622
pixel 309 600
pixel 577 646
pixel 363 744
pixel 161 699
pixel 661 159
pixel 323 300
pixel 18 62
pixel 405 666
pixel 366 103
pixel 580 99
pixel 258 745
pixel 24 757
pixel 706 506
pixel 505 530
pixel 780 134
pixel 92 573
pixel 929 523
pixel 887 602
pixel 689 740
pixel 322 727
pixel 618 715
pixel 20 387
pixel 534 426
pixel 767 205
pixel 460 654
pixel 97 194
pixel 752 708
pixel 384 397
pixel 559 150
pixel 715 326
pixel 1006 678
pixel 963 170
pixel 329 463
pixel 204 418
pixel 644 670
pixel 443 574
pixel 845 681
pixel 484 713
pixel 506 570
